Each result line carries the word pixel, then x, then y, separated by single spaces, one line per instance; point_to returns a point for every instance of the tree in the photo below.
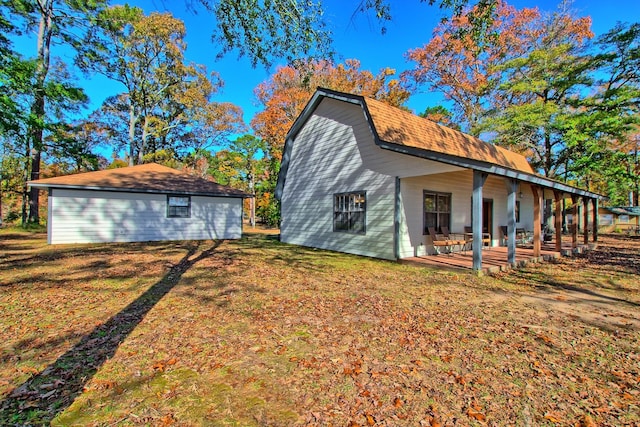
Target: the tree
pixel 286 93
pixel 248 148
pixel 603 136
pixel 440 115
pixel 167 102
pixel 294 29
pixel 464 68
pixel 57 21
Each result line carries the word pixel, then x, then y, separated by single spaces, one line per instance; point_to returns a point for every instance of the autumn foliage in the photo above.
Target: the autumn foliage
pixel 467 70
pixel 286 93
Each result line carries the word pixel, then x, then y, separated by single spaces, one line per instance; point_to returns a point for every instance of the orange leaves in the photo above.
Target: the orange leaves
pixel 475 414
pixel 161 365
pixel 286 93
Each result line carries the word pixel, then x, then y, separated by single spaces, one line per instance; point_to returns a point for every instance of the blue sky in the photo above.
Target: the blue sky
pixel 355 37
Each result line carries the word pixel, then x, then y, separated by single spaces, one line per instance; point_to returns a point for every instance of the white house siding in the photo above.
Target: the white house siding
pixel 413 242
pixel 335 153
pixel 79 216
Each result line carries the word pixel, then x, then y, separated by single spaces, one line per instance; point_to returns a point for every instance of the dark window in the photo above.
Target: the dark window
pixel 437 210
pixel 517 210
pixel 178 206
pixel 349 212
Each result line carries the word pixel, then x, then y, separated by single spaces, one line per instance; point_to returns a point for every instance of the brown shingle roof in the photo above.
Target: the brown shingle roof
pixel 147 178
pixel 400 127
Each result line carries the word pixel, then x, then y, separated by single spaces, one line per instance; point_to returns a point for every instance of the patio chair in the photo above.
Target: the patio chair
pixel 440 241
pixel 486 237
pixel 456 239
pixel 523 237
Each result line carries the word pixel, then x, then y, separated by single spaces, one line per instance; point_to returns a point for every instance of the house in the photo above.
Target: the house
pixel 148 202
pixel 620 219
pixel 362 177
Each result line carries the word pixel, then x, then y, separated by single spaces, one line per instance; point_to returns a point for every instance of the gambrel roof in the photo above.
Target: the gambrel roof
pixel 147 178
pixel 403 132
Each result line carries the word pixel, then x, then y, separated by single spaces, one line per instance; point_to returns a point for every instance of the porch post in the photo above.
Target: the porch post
pixel 574 226
pixel 558 223
pixel 585 226
pixel 595 218
pixel 396 220
pixel 512 188
pixel 537 221
pixel 476 207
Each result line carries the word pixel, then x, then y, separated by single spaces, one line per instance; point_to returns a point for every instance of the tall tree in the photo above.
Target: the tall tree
pixel 286 93
pixel 293 29
pixel 56 21
pixel 248 148
pixel 463 68
pixel 603 136
pixel 168 102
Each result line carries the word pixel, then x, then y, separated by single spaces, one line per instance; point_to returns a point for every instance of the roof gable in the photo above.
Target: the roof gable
pixel 147 178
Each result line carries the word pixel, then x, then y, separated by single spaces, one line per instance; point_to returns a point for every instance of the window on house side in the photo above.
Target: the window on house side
pixel 437 210
pixel 517 210
pixel 349 212
pixel 178 206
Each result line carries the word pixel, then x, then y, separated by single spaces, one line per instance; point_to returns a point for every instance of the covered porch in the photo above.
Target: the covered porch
pixel 494 259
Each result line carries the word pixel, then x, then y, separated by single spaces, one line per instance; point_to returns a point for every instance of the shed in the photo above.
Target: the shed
pixel 148 202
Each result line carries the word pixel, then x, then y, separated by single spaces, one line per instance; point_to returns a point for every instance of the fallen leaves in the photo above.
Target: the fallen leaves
pixel 319 338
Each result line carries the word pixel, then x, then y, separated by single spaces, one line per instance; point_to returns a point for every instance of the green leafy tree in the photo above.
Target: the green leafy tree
pixel 294 29
pixel 603 135
pixel 57 21
pixel 167 102
pixel 440 115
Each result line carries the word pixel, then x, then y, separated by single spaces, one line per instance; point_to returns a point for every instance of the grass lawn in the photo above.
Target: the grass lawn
pixel 255 332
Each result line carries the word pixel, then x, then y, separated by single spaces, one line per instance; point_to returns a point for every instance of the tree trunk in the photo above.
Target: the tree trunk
pixel 132 133
pixel 38 106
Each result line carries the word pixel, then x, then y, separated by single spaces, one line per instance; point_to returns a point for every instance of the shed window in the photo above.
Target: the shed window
pixel 437 210
pixel 178 206
pixel 349 212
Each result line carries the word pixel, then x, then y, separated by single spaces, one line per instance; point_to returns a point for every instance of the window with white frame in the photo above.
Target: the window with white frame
pixel 178 206
pixel 349 212
pixel 437 210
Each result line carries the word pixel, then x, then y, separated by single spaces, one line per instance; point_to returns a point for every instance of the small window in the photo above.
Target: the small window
pixel 517 210
pixel 178 206
pixel 349 212
pixel 437 210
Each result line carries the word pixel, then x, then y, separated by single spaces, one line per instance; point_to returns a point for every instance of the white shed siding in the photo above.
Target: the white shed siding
pixel 413 242
pixel 80 216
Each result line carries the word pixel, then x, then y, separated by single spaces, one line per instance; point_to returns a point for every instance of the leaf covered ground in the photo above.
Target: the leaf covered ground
pixel 255 332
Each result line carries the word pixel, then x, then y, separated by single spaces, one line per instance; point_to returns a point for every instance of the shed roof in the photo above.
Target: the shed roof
pixel 147 178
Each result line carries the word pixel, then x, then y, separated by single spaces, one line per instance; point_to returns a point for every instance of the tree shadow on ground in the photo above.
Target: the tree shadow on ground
pixel 40 399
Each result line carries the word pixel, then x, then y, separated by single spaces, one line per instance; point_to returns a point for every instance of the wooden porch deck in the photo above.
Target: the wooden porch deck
pixel 494 259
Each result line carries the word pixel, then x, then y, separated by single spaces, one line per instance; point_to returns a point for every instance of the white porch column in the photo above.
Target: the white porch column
pixel 537 220
pixel 476 212
pixel 512 188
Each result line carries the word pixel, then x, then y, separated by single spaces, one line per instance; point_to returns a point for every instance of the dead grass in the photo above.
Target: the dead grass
pixel 254 332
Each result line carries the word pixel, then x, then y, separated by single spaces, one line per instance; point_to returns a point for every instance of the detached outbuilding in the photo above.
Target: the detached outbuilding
pixel 141 203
